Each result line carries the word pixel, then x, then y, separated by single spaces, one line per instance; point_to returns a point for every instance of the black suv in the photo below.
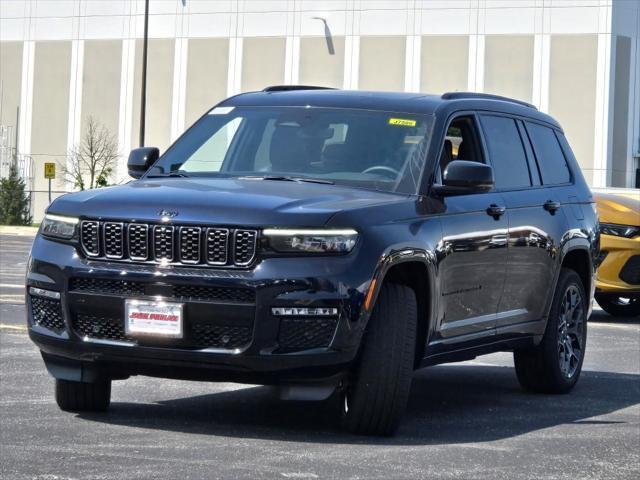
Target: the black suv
pixel 328 242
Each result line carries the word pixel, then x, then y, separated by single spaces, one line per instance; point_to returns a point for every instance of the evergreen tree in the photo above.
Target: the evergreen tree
pixel 14 201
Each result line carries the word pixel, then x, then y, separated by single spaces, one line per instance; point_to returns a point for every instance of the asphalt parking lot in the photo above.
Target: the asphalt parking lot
pixel 468 420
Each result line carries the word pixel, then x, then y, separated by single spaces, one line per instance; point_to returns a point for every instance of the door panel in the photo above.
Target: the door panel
pixel 472 264
pixel 535 234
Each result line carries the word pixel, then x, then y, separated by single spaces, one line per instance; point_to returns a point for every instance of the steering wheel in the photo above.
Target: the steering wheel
pixel 382 168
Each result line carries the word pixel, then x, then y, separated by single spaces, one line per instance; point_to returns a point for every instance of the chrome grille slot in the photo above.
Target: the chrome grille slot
pixel 90 237
pixel 245 246
pixel 217 245
pixel 190 244
pixel 138 241
pixel 113 240
pixel 168 244
pixel 163 243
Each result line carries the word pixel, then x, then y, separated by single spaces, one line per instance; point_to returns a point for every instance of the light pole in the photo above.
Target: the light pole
pixel 143 92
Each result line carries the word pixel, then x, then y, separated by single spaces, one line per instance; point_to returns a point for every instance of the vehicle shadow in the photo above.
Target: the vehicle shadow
pixel 448 404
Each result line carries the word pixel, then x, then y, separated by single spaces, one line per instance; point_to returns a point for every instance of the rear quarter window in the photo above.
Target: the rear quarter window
pixel 551 161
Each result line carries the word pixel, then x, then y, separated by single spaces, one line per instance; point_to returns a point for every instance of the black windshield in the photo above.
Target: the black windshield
pixel 367 149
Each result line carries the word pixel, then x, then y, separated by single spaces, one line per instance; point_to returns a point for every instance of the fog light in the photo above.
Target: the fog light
pixel 304 311
pixel 39 292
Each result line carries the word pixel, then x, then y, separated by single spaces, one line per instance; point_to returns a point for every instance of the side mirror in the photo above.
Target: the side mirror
pixel 140 159
pixel 462 177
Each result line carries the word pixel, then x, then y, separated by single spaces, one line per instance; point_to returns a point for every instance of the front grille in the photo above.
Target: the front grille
pixel 47 313
pixel 212 294
pixel 100 327
pixel 183 245
pixel 630 273
pixel 245 246
pixel 163 243
pixel 201 335
pixel 90 237
pixel 217 245
pixel 113 240
pixel 220 336
pixel 106 287
pixel 184 293
pixel 305 333
pixel 190 244
pixel 138 241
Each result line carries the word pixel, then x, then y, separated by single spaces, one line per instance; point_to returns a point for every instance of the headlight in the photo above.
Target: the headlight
pixel 626 231
pixel 301 240
pixel 57 226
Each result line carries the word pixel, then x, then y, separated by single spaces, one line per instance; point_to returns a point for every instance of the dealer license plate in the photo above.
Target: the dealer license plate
pixel 153 318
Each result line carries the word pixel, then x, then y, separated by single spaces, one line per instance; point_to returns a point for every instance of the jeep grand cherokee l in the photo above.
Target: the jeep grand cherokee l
pixel 329 242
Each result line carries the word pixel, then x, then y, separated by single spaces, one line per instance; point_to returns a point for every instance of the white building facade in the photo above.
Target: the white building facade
pixel 63 61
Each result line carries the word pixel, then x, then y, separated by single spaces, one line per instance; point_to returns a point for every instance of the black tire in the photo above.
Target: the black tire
pixel 619 305
pixel 83 397
pixel 539 368
pixel 376 397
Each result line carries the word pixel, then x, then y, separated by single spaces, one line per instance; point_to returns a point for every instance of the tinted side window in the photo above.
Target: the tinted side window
pixel 551 161
pixel 506 152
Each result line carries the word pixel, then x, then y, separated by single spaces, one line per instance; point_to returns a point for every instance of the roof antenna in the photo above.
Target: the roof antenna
pixel 327 35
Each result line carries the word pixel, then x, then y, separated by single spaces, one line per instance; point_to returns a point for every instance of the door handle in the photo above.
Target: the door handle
pixel 551 206
pixel 496 211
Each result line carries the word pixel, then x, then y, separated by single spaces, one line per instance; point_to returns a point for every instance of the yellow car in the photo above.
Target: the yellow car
pixel 618 276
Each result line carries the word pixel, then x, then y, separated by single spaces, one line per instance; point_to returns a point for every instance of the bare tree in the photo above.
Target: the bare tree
pixel 92 161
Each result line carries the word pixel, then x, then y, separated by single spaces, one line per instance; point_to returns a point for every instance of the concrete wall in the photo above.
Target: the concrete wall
pixel 621 112
pixel 508 66
pixel 207 71
pixel 382 63
pixel 50 111
pixel 101 84
pixel 10 79
pixel 262 62
pixel 322 61
pixel 444 63
pixel 572 81
pixel 159 93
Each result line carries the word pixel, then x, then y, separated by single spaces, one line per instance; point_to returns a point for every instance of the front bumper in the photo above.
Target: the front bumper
pixel 618 264
pixel 242 341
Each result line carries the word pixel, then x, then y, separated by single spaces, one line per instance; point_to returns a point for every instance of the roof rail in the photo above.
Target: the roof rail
pixel 485 96
pixel 287 88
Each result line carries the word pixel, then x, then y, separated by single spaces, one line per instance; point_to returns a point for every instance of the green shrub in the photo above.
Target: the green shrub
pixel 14 201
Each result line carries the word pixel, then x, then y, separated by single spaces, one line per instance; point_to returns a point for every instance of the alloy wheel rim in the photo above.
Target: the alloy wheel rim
pixel 570 332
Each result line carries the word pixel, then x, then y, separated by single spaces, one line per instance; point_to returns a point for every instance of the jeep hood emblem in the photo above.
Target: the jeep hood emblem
pixel 168 213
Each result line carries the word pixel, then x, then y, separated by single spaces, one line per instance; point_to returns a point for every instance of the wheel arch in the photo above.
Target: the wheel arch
pixel 579 260
pixel 415 269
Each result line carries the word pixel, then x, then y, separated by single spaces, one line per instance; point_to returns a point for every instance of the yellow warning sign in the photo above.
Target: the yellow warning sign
pixel 50 170
pixel 404 122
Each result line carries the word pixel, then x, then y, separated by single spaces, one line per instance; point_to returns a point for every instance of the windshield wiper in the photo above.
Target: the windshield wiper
pixel 177 173
pixel 283 178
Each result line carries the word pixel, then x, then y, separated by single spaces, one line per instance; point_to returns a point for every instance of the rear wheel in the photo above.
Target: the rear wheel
pixel 619 305
pixel 376 397
pixel 80 396
pixel 554 365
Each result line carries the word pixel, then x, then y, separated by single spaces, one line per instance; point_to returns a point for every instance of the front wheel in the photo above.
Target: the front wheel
pixel 554 365
pixel 619 305
pixel 376 397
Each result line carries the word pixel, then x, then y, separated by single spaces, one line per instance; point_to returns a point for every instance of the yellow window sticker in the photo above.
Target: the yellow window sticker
pixel 404 122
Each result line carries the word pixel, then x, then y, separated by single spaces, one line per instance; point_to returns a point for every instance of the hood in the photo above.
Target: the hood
pixel 619 209
pixel 221 201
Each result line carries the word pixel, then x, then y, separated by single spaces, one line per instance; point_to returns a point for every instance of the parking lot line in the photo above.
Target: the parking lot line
pixel 631 326
pixel 19 328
